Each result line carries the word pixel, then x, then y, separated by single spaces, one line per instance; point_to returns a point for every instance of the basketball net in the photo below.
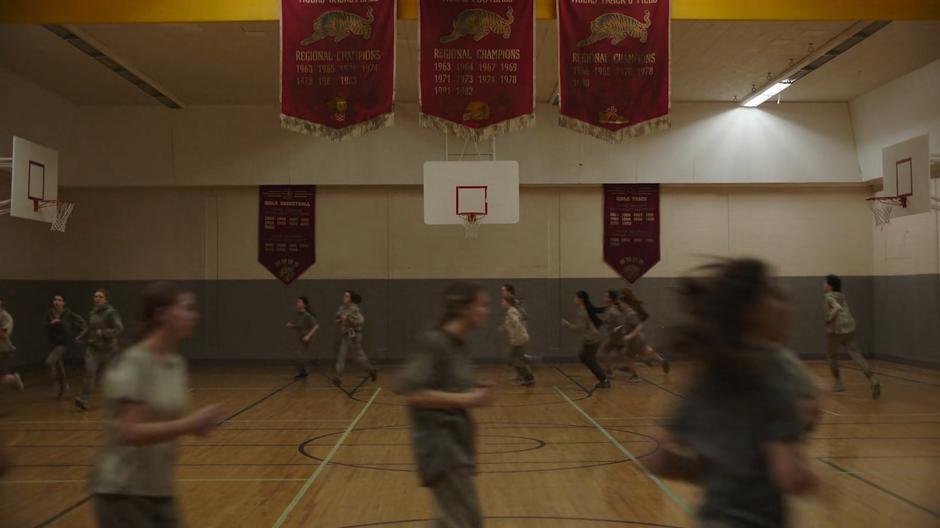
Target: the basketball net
pixel 881 209
pixel 63 212
pixel 471 225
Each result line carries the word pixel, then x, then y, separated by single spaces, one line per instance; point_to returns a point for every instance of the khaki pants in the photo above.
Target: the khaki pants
pixel 352 344
pixel 455 496
pixel 131 511
pixel 56 366
pixel 837 342
pixel 518 361
pixel 95 362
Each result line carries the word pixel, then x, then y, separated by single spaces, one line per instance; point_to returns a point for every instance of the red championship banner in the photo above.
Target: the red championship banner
pixel 614 67
pixel 477 63
pixel 631 228
pixel 287 217
pixel 337 66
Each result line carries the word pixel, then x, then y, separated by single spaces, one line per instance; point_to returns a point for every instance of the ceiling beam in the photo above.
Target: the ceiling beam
pixel 153 11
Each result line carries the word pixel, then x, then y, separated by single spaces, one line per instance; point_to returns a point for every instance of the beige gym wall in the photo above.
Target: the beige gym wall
pixel 373 232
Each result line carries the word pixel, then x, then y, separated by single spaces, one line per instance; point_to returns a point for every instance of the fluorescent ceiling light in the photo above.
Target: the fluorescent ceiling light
pixel 756 99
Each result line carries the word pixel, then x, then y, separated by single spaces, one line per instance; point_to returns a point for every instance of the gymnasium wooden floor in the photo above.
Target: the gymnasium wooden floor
pixel 546 461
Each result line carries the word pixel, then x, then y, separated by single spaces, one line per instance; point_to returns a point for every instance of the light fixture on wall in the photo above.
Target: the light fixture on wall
pixel 812 62
pixel 96 51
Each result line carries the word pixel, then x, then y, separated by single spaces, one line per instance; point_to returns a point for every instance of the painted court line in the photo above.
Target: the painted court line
pixel 303 489
pixel 679 502
pixel 85 481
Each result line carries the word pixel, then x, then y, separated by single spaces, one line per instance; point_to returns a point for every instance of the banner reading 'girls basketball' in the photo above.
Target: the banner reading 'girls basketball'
pixel 477 63
pixel 337 66
pixel 614 67
pixel 631 228
pixel 287 216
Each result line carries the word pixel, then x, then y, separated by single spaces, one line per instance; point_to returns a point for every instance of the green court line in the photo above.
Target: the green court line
pixel 679 502
pixel 303 489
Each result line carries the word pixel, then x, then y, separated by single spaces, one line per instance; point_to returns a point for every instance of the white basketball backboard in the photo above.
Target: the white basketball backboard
pixel 35 180
pixel 906 172
pixel 486 189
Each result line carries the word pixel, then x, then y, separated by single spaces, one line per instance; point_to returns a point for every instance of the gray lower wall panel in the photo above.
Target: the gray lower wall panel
pixel 245 319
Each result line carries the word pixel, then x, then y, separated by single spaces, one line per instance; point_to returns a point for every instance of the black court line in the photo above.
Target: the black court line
pixel 670 391
pixel 257 402
pixel 565 374
pixel 424 522
pixel 881 456
pixel 63 513
pixel 356 388
pixel 877 373
pixel 879 488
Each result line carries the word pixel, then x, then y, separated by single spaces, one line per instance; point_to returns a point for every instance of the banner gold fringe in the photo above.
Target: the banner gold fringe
pixel 477 134
pixel 616 136
pixel 337 134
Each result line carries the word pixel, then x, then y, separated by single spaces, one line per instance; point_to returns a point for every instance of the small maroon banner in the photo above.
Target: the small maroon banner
pixel 631 228
pixel 287 217
pixel 337 66
pixel 614 67
pixel 477 63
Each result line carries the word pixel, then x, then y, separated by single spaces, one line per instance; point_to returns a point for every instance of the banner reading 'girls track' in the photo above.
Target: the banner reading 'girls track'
pixel 337 66
pixel 614 66
pixel 631 228
pixel 287 217
pixel 477 62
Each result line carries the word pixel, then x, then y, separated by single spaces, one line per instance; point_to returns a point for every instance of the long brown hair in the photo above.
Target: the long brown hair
pixel 716 302
pixel 630 299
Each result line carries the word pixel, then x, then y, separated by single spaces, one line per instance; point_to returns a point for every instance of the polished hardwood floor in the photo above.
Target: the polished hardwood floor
pixel 303 453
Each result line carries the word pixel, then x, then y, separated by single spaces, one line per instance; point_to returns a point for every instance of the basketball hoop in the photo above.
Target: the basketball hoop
pixel 63 212
pixel 471 224
pixel 883 206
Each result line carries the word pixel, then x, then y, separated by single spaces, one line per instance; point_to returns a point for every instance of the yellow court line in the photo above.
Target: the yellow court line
pixel 303 489
pixel 662 485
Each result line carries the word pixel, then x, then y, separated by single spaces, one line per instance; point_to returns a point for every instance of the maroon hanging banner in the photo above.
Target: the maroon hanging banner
pixel 614 67
pixel 287 217
pixel 337 66
pixel 477 63
pixel 631 228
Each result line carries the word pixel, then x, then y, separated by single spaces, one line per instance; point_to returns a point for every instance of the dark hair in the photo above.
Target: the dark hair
pixel 631 300
pixel 592 310
pixel 834 282
pixel 355 298
pixel 510 288
pixel 612 295
pixel 457 297
pixel 155 297
pixel 103 292
pixel 717 304
pixel 511 301
pixel 306 302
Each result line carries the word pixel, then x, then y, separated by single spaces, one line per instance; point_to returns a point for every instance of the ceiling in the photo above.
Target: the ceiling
pixel 236 63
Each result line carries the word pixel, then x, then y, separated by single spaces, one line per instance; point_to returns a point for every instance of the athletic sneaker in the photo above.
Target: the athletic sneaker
pixel 634 379
pixel 527 382
pixel 838 387
pixel 81 404
pixel 875 389
pixel 602 384
pixel 300 375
